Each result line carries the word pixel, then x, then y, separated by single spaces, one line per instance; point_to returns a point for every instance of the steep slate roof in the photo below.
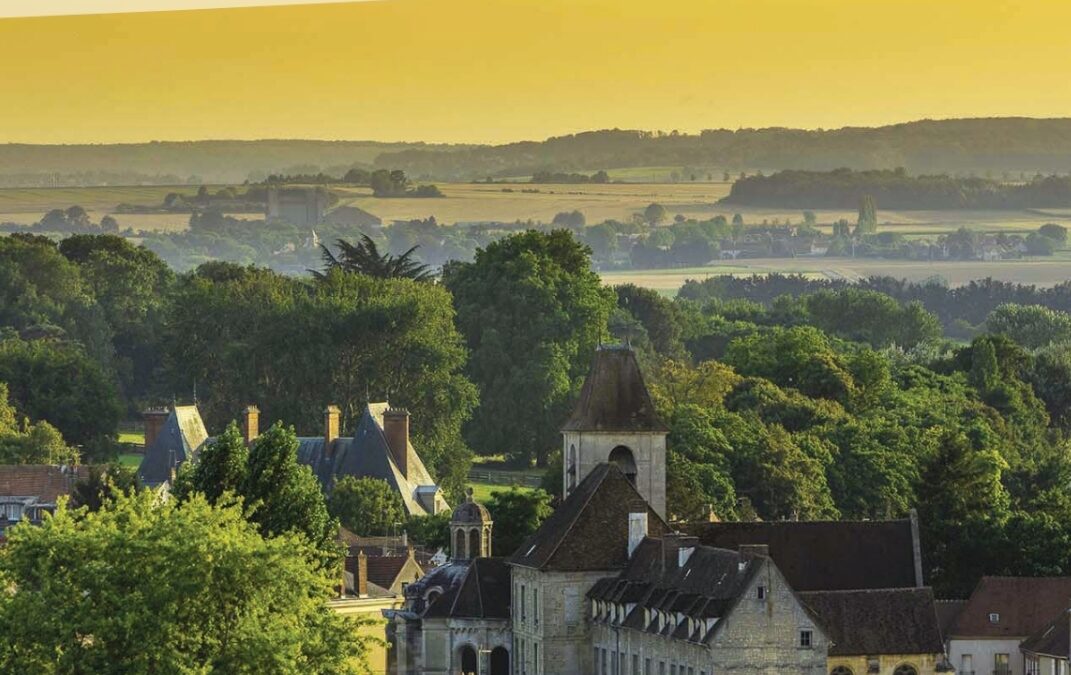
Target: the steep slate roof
pixel 589 531
pixel 826 555
pixel 46 482
pixel 485 591
pixel 1052 640
pixel 889 621
pixel 366 453
pixel 614 396
pixel 1025 605
pixel 179 439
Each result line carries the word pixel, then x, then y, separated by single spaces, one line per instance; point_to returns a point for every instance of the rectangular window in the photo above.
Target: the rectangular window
pixel 691 671
pixel 805 639
pixel 661 668
pixel 760 592
pixel 524 607
pixel 605 665
pixel 571 606
pixel 595 664
pixel 623 664
pixel 1001 664
pixel 535 658
pixel 635 665
pixel 647 667
pixel 524 662
pixel 535 605
pixel 673 669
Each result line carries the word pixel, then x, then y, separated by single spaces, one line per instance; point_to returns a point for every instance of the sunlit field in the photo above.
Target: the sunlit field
pixel 956 273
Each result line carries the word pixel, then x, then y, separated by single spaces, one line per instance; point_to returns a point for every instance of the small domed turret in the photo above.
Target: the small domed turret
pixel 470 530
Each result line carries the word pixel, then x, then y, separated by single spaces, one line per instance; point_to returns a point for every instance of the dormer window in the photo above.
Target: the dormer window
pixel 994 617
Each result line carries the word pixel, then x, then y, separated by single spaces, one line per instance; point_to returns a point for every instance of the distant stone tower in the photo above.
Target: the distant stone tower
pixel 615 421
pixel 470 531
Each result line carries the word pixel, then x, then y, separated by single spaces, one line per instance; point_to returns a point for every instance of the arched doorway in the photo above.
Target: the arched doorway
pixel 499 661
pixel 468 660
pixel 623 458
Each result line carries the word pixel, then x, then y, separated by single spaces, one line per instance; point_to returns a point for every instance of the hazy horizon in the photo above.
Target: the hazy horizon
pixel 477 71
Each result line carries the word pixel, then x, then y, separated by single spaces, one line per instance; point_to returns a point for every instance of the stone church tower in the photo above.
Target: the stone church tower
pixel 615 421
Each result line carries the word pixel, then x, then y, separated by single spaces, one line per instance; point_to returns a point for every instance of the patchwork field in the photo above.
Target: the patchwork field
pixel 1037 272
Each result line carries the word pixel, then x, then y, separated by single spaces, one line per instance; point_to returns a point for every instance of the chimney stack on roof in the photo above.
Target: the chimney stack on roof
pixel 332 420
pixel 154 422
pixel 250 423
pixel 396 430
pixel 361 580
pixel 637 525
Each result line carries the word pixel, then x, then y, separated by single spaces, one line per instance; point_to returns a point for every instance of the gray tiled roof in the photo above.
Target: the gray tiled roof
pixel 366 454
pixel 179 439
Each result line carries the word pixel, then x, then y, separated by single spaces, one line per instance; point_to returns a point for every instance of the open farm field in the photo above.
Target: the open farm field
pixel 1036 272
pixel 466 202
pixel 104 199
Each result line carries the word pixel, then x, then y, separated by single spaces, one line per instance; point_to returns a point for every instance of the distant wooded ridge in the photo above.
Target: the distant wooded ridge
pixel 997 145
pixel 895 189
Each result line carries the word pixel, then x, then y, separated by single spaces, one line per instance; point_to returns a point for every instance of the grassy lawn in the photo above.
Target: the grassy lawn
pixel 481 492
pixel 130 459
pixel 135 437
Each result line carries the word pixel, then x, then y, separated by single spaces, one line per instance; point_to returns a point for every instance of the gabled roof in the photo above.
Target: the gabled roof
pixel 178 440
pixel 1053 640
pixel 589 531
pixel 485 591
pixel 826 555
pixel 45 482
pixel 366 454
pixel 1024 606
pixel 614 396
pixel 947 613
pixel 887 621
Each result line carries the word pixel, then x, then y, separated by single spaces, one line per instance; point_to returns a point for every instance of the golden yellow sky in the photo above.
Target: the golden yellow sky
pixel 501 70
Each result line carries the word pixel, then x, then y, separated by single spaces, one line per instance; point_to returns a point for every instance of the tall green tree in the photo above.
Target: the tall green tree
pixel 867 223
pixel 59 383
pixel 364 258
pixel 367 506
pixel 284 495
pixel 145 585
pixel 222 467
pixel 25 442
pixel 516 514
pixel 532 312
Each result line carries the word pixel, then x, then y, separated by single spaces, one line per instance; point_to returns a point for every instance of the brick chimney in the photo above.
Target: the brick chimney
pixel 396 429
pixel 250 423
pixel 361 578
pixel 332 419
pixel 154 422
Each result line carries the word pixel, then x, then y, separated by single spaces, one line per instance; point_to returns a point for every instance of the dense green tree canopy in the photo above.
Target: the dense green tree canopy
pixel 292 347
pixel 516 514
pixel 145 585
pixel 532 312
pixel 367 506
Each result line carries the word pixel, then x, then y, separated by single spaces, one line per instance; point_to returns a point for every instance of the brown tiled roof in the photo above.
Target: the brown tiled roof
pixel 1025 605
pixel 947 613
pixel 1052 640
pixel 589 531
pixel 889 621
pixel 47 482
pixel 614 396
pixel 826 555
